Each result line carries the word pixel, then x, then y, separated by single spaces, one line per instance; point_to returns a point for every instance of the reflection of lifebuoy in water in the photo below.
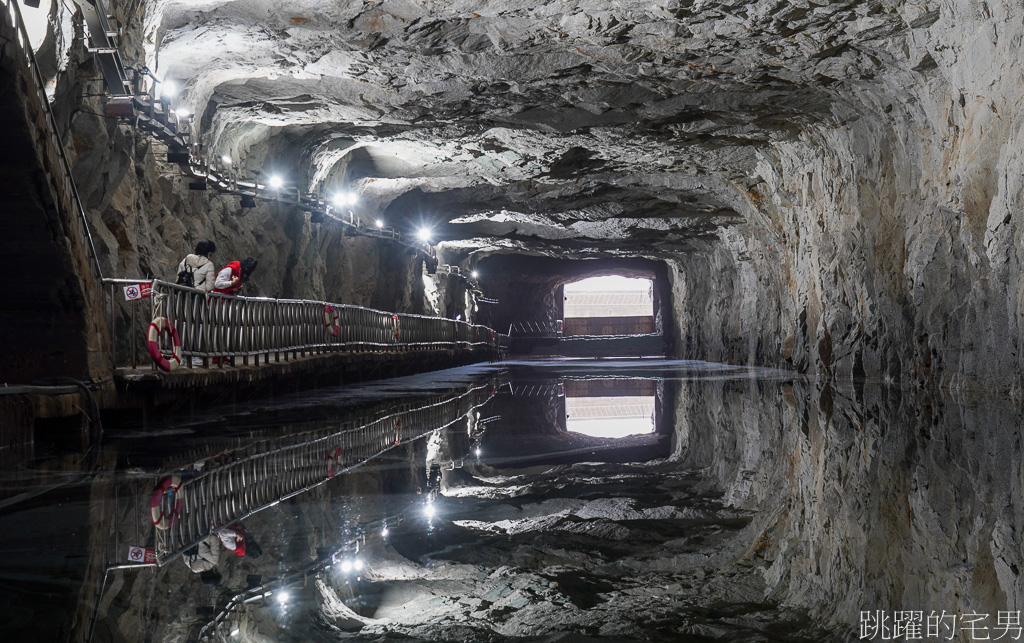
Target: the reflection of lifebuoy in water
pixel 456 331
pixel 157 327
pixel 170 484
pixel 331 319
pixel 394 326
pixel 333 462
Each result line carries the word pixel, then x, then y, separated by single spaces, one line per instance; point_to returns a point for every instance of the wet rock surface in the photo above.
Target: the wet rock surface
pixel 782 510
pixel 765 506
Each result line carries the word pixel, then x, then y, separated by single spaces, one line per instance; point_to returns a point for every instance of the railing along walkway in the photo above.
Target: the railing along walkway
pixel 216 326
pixel 275 470
pixel 535 329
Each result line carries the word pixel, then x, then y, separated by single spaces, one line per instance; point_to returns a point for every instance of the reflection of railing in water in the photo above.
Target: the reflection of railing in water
pixel 279 469
pixel 214 326
pixel 266 590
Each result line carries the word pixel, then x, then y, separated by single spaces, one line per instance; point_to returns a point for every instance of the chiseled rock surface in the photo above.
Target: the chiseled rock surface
pixel 834 185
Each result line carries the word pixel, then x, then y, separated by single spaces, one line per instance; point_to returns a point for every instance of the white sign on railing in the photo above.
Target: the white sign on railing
pixel 137 291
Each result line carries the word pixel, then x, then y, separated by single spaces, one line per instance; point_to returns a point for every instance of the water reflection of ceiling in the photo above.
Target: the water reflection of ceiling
pixel 610 417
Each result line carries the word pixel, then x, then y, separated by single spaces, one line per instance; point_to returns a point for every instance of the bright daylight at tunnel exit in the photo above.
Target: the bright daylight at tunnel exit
pixel 557 322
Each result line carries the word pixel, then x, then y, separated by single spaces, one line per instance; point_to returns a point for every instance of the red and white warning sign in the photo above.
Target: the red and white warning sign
pixel 141 555
pixel 137 291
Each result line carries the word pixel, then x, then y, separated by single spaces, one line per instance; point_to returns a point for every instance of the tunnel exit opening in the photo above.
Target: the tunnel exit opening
pixel 608 305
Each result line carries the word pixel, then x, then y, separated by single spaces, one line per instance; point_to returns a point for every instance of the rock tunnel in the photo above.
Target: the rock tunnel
pixel 825 196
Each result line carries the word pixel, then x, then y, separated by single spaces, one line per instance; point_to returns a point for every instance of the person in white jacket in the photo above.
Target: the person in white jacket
pixel 203 274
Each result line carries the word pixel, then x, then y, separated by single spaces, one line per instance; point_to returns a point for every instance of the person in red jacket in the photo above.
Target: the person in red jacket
pixel 232 277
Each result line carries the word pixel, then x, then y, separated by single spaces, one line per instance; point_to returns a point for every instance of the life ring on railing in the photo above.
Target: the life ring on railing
pixel 331 319
pixel 494 336
pixel 170 484
pixel 333 462
pixel 456 331
pixel 398 431
pixel 157 327
pixel 394 326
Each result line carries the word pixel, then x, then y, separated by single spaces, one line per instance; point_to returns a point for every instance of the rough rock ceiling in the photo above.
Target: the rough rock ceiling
pixel 621 127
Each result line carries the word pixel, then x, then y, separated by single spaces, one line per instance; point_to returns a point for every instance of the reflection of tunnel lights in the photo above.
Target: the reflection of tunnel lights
pixel 283 597
pixel 474 274
pixel 346 566
pixel 275 182
pixel 430 510
pixel 424 234
pixel 235 632
pixel 226 160
pixel 358 564
pixel 380 224
pixel 384 532
pixel 477 453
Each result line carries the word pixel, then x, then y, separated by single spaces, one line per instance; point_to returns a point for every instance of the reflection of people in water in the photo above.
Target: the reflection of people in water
pixel 204 557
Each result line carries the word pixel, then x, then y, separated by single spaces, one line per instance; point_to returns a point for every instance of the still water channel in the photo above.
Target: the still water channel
pixel 567 500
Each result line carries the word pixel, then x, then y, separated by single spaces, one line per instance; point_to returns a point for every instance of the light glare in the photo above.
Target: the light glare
pixel 346 566
pixel 429 511
pixel 358 564
pixel 166 89
pixel 275 182
pixel 474 274
pixel 282 598
pixel 226 160
pixel 384 532
pixel 424 234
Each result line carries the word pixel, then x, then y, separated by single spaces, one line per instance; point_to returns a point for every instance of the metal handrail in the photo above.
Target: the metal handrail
pixel 534 328
pixel 214 325
pixel 153 115
pixel 70 190
pixel 272 471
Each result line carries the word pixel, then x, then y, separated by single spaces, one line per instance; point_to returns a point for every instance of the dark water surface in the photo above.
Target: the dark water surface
pixel 492 503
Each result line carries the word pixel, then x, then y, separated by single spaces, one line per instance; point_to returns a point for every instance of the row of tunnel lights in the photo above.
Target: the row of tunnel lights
pixel 168 90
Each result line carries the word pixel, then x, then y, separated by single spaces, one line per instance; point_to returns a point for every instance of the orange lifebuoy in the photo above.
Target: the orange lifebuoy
pixel 394 326
pixel 158 327
pixel 331 319
pixel 170 485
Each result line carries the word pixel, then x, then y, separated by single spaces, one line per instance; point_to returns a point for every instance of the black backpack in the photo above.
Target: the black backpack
pixel 187 276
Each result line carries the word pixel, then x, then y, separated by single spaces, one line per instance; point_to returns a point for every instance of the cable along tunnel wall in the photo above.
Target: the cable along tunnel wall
pixel 270 471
